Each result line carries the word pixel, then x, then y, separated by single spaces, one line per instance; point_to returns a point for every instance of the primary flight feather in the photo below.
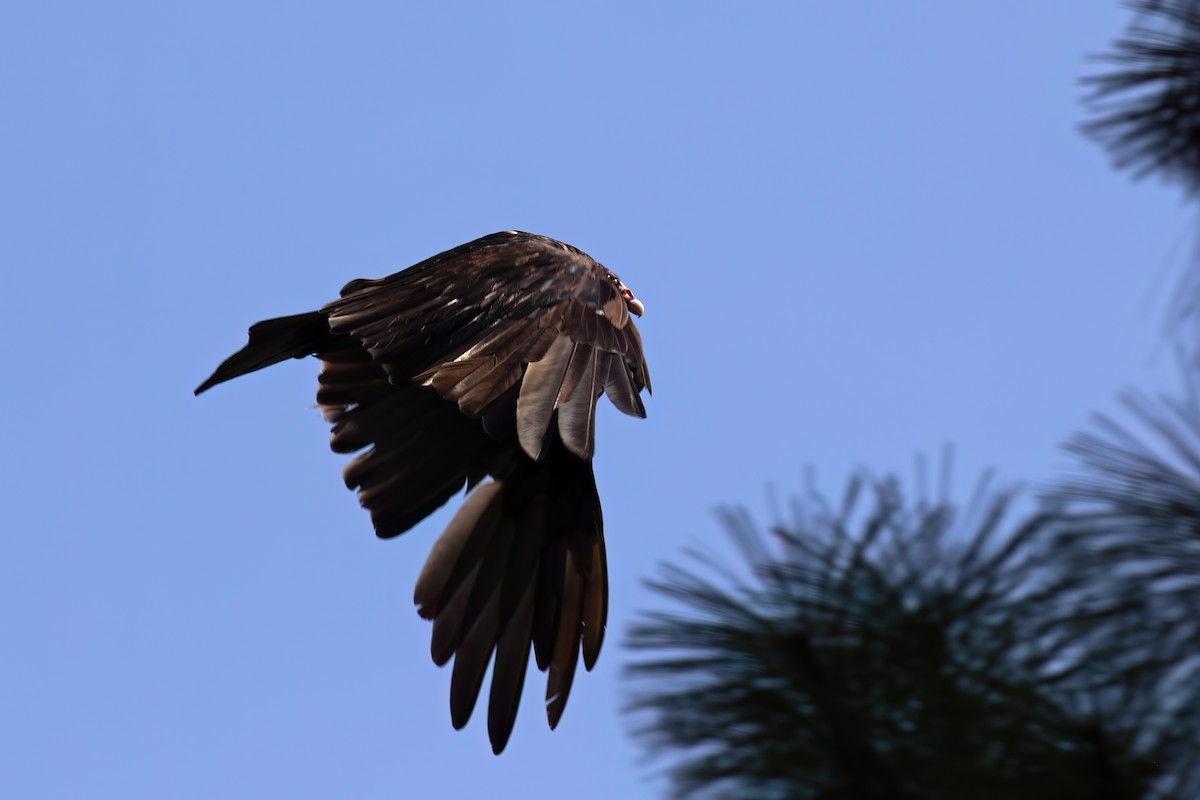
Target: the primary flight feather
pixel 485 360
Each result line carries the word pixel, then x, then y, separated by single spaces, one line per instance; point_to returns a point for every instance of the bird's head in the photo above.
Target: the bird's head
pixel 635 306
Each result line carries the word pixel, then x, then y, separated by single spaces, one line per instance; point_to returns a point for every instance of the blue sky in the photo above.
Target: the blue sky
pixel 860 234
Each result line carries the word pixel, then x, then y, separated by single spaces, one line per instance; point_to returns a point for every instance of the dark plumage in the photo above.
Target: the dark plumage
pixel 485 360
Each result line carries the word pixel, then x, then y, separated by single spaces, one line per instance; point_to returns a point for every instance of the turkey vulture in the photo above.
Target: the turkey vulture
pixel 485 360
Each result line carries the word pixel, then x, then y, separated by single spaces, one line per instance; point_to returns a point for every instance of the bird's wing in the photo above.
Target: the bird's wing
pixel 510 308
pixel 417 449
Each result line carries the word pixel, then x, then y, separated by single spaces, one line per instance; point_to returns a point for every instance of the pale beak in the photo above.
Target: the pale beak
pixel 635 306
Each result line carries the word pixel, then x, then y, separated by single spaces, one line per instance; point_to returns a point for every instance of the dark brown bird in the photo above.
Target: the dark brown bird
pixel 485 360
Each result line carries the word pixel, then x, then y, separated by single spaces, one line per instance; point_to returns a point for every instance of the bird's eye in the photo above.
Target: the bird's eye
pixel 616 281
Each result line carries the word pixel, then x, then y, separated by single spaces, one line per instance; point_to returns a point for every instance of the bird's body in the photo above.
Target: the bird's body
pixel 485 360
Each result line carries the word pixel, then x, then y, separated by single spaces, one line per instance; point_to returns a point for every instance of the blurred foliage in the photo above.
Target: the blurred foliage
pixel 1147 112
pixel 1148 107
pixel 1129 543
pixel 889 650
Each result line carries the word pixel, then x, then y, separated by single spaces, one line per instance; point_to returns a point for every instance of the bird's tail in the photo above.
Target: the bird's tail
pixel 521 562
pixel 272 341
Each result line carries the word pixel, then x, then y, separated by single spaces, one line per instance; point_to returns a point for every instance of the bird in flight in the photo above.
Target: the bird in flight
pixel 485 361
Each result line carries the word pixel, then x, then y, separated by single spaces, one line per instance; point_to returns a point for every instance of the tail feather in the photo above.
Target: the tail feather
pixel 508 676
pixel 272 341
pixel 520 564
